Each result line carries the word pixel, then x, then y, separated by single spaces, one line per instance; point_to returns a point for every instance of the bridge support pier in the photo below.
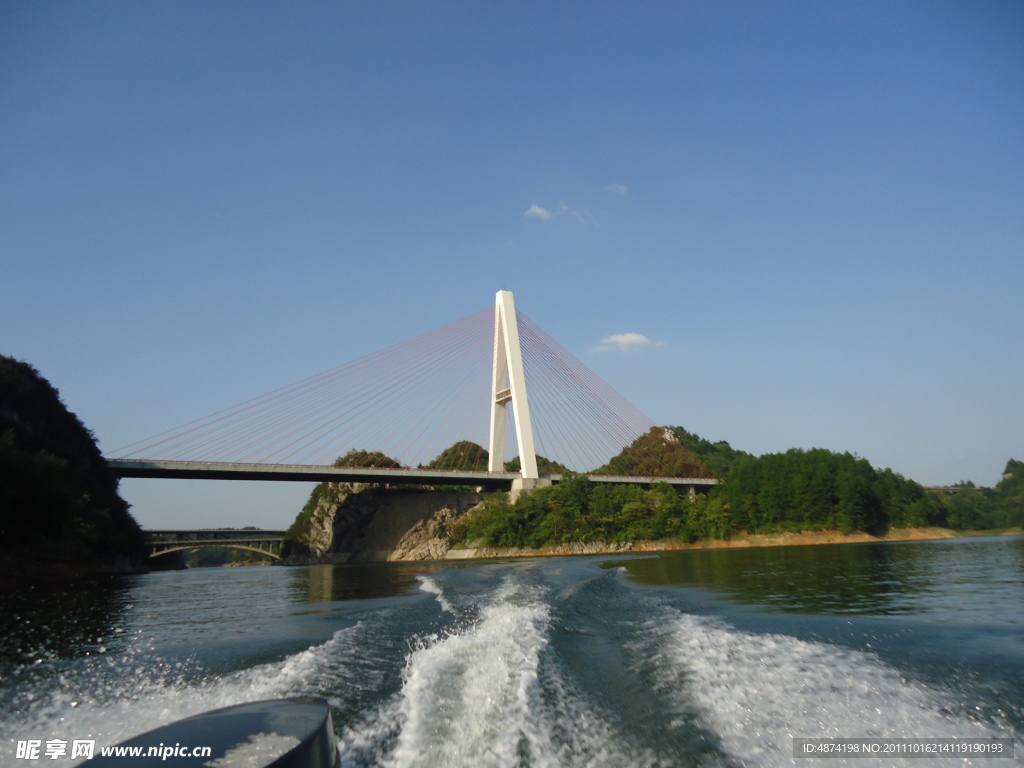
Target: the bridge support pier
pixel 521 485
pixel 509 386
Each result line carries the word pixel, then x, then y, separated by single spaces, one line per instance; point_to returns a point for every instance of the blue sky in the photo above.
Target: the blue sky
pixel 814 211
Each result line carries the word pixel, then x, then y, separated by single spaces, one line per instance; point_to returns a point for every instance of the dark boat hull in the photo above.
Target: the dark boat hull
pixel 284 733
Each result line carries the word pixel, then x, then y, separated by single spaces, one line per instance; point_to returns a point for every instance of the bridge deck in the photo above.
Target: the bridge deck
pixel 243 533
pixel 163 542
pixel 199 470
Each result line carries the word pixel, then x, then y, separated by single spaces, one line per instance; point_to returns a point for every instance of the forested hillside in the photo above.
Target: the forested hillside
pixel 799 490
pixel 658 453
pixel 971 507
pixel 720 457
pixel 794 491
pixel 810 490
pixel 58 499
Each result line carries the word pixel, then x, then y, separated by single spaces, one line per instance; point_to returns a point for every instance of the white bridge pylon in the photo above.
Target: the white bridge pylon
pixel 509 386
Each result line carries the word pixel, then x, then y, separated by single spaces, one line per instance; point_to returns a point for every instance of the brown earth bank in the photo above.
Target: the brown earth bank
pixel 737 542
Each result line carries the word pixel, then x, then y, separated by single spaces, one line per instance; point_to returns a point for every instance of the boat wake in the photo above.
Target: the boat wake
pixel 486 694
pixel 503 668
pixel 756 692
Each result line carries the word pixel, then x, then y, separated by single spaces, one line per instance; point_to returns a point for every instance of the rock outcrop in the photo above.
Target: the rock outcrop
pixel 353 522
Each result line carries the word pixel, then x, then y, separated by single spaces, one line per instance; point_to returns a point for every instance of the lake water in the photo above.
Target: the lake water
pixel 702 658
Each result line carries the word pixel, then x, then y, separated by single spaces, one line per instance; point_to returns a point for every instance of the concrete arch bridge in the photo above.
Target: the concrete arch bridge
pixel 264 542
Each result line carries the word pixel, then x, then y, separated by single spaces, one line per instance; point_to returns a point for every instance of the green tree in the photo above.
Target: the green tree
pixel 1008 501
pixel 658 453
pixel 809 490
pixel 464 455
pixel 545 466
pixel 969 508
pixel 367 460
pixel 720 457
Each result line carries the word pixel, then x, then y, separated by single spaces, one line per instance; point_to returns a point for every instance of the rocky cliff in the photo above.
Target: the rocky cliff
pixel 352 522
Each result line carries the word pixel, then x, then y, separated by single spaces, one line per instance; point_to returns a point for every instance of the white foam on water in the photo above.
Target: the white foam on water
pixel 757 692
pixel 486 696
pixel 127 694
pixel 427 584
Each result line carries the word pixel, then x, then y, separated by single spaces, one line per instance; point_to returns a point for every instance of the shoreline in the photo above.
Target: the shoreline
pixel 18 570
pixel 742 541
pixel 57 574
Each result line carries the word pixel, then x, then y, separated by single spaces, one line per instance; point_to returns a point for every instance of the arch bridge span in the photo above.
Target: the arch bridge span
pixel 266 543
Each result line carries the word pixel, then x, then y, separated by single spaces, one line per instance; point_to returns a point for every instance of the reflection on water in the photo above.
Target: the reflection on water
pixel 550 661
pixel 983 577
pixel 364 581
pixel 83 619
pixel 69 621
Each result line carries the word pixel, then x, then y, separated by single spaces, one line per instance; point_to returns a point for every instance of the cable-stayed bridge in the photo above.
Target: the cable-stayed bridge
pixel 420 412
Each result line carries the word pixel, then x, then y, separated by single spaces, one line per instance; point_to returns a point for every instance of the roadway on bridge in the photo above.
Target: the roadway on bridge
pixel 198 470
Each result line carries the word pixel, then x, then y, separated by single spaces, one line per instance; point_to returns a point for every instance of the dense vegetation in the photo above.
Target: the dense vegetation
pixel 545 466
pixel 720 457
pixel 577 509
pixel 580 510
pixel 464 455
pixel 366 460
pixel 470 457
pixel 793 491
pixel 58 498
pixel 818 489
pixel 302 520
pixel 657 453
pixel 974 508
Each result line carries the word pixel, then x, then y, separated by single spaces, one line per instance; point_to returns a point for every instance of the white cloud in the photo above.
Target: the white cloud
pixel 540 213
pixel 625 342
pixel 617 189
pixel 544 214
